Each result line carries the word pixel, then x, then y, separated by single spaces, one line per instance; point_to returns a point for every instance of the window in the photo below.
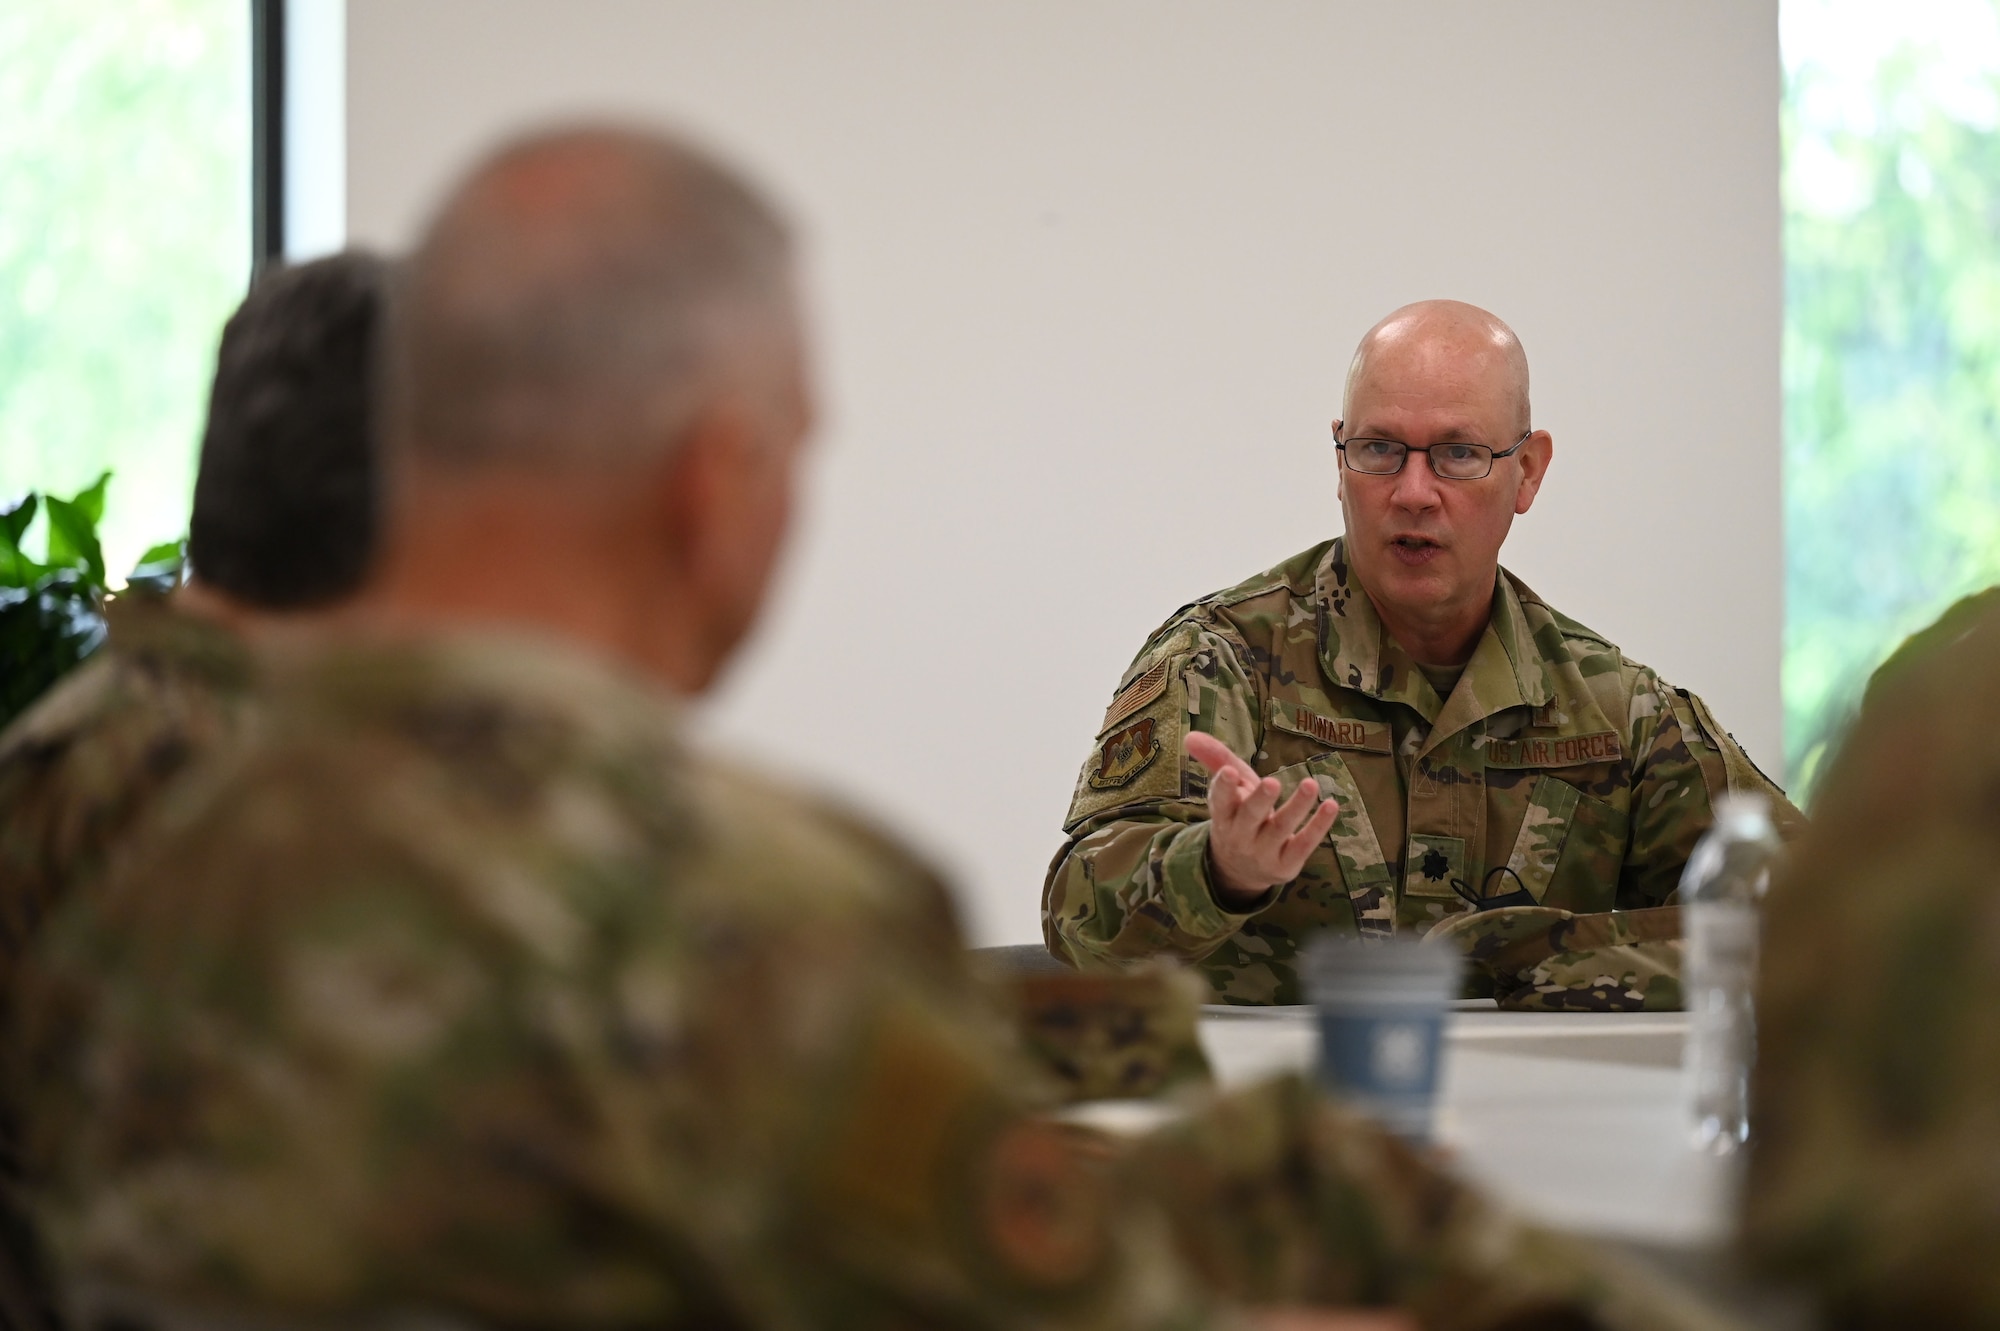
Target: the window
pixel 1891 122
pixel 125 142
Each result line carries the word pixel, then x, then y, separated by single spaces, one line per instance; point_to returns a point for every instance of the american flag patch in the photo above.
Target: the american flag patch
pixel 1135 695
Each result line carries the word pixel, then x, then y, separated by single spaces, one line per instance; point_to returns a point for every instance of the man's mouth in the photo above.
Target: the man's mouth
pixel 1414 549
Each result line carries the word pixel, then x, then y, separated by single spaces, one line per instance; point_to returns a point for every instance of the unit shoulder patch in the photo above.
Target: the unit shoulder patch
pixel 1600 746
pixel 1123 754
pixel 1136 696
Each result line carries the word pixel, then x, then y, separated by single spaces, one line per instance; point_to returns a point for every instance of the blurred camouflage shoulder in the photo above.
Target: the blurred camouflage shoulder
pixel 478 990
pixel 81 766
pixel 1877 1081
pixel 1961 618
pixel 79 770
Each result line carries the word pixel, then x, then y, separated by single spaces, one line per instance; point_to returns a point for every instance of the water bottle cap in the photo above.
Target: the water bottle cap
pixel 1737 809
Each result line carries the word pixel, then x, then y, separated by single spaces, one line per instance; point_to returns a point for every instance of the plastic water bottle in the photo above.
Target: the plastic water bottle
pixel 1722 890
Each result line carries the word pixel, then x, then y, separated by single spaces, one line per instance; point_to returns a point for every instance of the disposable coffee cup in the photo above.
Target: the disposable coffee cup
pixel 1382 1005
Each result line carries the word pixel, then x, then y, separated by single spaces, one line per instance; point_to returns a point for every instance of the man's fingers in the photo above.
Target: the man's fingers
pixel 1287 817
pixel 1301 843
pixel 1213 754
pixel 1260 799
pixel 1227 790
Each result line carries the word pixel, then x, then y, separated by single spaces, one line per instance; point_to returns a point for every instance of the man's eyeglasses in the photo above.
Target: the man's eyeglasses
pixel 1452 462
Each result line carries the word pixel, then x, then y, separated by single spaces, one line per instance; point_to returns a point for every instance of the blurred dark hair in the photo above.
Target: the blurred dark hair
pixel 285 499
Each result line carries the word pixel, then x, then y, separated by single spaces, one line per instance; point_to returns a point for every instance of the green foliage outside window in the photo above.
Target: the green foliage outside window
pixel 124 244
pixel 52 608
pixel 1892 340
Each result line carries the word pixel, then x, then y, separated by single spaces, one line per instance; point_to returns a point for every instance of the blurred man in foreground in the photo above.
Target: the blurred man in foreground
pixel 467 989
pixel 282 526
pixel 1480 750
pixel 1875 1147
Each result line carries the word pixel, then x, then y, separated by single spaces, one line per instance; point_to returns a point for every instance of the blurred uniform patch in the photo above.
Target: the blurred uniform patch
pixel 1114 1034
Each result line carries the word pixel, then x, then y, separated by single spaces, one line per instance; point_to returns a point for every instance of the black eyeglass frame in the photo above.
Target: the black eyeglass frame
pixel 1492 456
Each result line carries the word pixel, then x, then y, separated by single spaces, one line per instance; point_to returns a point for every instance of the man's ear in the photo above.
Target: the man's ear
pixel 1534 457
pixel 681 481
pixel 707 487
pixel 690 486
pixel 1339 468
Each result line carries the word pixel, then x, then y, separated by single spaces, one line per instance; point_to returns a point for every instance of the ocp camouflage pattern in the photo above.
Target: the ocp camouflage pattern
pixel 1540 959
pixel 78 770
pixel 1112 1035
pixel 466 989
pixel 81 766
pixel 1875 1101
pixel 463 989
pixel 1558 773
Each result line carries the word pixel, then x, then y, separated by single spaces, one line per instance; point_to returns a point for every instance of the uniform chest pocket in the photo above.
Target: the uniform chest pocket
pixel 1358 866
pixel 1538 847
pixel 1569 849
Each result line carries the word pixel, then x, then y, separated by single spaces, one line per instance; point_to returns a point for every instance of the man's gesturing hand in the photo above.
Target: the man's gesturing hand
pixel 1254 841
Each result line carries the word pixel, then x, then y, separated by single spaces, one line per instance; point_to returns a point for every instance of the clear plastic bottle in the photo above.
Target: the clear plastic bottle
pixel 1722 890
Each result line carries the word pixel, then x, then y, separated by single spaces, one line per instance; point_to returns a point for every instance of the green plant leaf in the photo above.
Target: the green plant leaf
pixel 16 568
pixel 175 551
pixel 14 522
pixel 73 540
pixel 90 500
pixel 159 569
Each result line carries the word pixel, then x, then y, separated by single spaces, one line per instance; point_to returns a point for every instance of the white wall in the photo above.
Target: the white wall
pixel 1087 273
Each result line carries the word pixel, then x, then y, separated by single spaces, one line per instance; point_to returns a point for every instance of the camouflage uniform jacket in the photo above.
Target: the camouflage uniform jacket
pixel 77 770
pixel 463 988
pixel 81 765
pixel 1558 773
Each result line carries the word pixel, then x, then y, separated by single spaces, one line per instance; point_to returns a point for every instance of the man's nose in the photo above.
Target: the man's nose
pixel 1416 484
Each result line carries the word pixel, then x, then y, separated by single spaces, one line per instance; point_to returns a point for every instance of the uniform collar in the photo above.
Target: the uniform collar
pixel 1506 669
pixel 147 625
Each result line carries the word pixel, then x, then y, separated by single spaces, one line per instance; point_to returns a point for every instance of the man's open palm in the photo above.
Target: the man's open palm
pixel 1255 842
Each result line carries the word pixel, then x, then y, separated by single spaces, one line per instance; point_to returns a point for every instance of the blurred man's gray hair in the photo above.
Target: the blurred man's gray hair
pixel 580 296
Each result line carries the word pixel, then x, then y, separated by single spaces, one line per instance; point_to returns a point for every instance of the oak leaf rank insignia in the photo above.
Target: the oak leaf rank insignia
pixel 1123 754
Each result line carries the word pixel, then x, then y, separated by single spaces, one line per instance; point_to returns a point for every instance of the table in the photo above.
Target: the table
pixel 1573 1119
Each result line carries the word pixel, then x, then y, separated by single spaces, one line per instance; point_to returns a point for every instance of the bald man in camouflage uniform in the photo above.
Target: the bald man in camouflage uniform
pixel 1388 730
pixel 466 990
